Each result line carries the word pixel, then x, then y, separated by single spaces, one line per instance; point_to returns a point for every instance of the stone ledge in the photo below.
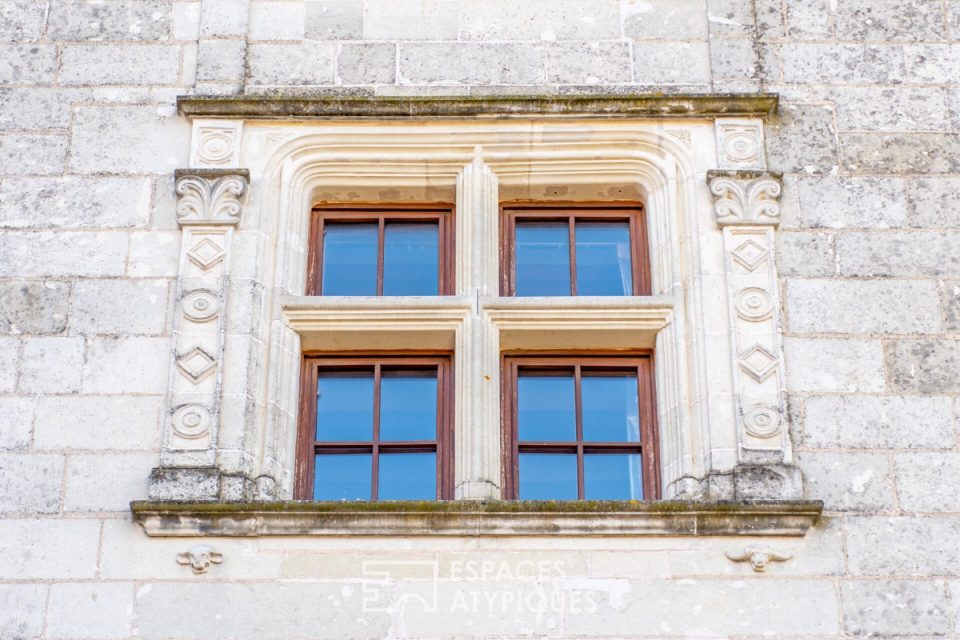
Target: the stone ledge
pixel 477 518
pixel 759 105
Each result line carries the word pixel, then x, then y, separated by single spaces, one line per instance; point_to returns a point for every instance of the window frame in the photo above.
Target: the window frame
pixel 633 212
pixel 649 444
pixel 443 444
pixel 442 212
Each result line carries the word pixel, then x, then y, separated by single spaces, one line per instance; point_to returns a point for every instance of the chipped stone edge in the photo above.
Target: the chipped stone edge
pixel 477 518
pixel 762 105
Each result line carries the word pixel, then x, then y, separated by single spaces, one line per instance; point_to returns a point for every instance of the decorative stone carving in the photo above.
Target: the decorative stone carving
pixel 216 143
pixel 752 201
pixel 761 420
pixel 210 200
pixel 200 557
pixel 200 305
pixel 196 364
pixel 740 143
pixel 754 304
pixel 759 557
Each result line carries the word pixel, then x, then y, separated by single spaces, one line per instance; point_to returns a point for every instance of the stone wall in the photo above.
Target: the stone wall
pixel 868 137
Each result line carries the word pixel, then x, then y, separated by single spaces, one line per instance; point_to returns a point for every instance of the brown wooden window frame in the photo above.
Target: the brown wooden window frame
pixel 633 212
pixel 308 447
pixel 649 445
pixel 383 213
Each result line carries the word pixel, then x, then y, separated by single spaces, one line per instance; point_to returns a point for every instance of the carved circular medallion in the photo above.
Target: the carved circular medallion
pixel 740 145
pixel 216 146
pixel 192 421
pixel 762 421
pixel 754 304
pixel 201 305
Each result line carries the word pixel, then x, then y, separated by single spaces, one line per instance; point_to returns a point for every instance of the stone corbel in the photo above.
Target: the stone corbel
pixel 209 207
pixel 746 207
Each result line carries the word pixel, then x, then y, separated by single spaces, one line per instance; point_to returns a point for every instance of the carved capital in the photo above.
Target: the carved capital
pixel 745 197
pixel 210 197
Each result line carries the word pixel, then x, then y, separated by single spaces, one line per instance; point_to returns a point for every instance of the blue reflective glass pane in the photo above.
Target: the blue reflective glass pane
pixel 342 476
pixel 548 476
pixel 542 259
pixel 411 259
pixel 349 259
pixel 407 476
pixel 408 405
pixel 611 410
pixel 612 476
pixel 546 409
pixel 603 259
pixel 345 406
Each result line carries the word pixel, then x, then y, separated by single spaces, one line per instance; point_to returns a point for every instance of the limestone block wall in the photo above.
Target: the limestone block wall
pixel 868 139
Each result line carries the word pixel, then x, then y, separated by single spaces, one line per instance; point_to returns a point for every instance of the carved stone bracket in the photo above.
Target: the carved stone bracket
pixel 759 557
pixel 747 209
pixel 209 206
pixel 200 557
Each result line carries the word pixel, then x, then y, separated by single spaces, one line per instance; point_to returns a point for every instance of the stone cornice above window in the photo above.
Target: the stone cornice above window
pixel 477 518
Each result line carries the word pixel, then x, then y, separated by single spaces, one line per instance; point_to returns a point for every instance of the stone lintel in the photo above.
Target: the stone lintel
pixel 211 174
pixel 647 105
pixel 477 518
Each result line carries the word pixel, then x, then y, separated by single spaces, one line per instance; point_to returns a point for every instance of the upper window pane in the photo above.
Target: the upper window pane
pixel 349 259
pixel 611 411
pixel 411 259
pixel 546 407
pixel 408 405
pixel 345 406
pixel 543 259
pixel 603 259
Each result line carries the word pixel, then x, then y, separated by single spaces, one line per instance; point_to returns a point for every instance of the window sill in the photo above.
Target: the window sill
pixel 469 518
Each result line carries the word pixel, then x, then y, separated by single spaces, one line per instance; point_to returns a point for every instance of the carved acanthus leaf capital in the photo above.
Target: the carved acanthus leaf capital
pixel 745 198
pixel 210 197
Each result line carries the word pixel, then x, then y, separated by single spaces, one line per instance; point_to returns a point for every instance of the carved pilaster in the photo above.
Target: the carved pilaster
pixel 209 207
pixel 747 209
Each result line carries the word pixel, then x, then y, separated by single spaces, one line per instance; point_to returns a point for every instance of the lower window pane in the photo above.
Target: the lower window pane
pixel 408 405
pixel 342 476
pixel 548 476
pixel 345 406
pixel 610 407
pixel 407 476
pixel 612 476
pixel 546 407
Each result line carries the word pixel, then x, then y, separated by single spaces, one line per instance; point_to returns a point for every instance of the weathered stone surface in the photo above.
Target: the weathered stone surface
pixel 664 19
pixel 891 109
pixel 878 422
pixel 805 254
pixel 90 610
pixel 932 201
pixel 276 20
pixel 836 203
pixel 898 253
pixel 37 548
pixel 588 62
pixel 50 365
pixel 905 546
pixel 269 611
pixel 27 63
pixel 221 60
pixel 118 307
pixel 30 483
pixel 119 64
pixel 106 482
pixel 901 152
pixel 734 59
pixel 127 365
pixel 32 154
pixel 367 63
pixel 472 62
pixel 333 19
pixel 540 20
pixel 925 481
pixel 154 254
pixel 99 423
pixel 33 108
pixel 286 64
pixel 824 364
pixel 925 365
pixel 21 20
pixel 837 306
pixel 802 139
pixel 848 481
pixel 730 18
pixel 9 357
pixel 33 306
pixel 671 63
pixel 950 299
pixel 16 419
pixel 893 607
pixel 122 20
pixel 223 18
pixel 21 608
pixel 112 139
pixel 890 20
pixel 809 19
pixel 62 254
pixel 932 62
pixel 841 63
pixel 411 19
pixel 74 202
pixel 185 22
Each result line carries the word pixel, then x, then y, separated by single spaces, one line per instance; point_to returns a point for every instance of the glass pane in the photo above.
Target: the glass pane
pixel 612 476
pixel 542 260
pixel 345 406
pixel 408 405
pixel 349 259
pixel 407 476
pixel 411 259
pixel 546 409
pixel 610 407
pixel 548 476
pixel 342 476
pixel 603 259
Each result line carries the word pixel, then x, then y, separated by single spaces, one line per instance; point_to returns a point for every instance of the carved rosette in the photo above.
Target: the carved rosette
pixel 209 206
pixel 215 143
pixel 740 143
pixel 747 208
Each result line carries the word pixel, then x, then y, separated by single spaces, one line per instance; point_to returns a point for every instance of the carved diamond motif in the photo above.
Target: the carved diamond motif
pixel 758 363
pixel 750 255
pixel 196 364
pixel 206 254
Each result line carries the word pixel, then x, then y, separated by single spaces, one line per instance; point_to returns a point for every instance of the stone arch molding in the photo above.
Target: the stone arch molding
pixel 716 443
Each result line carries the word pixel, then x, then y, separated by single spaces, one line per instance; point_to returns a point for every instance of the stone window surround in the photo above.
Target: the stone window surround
pixel 704 243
